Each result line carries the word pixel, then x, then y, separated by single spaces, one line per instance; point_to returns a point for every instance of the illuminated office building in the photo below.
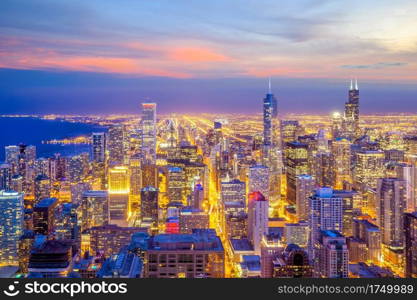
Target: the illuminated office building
pixel 304 189
pixel 5 177
pixel 52 259
pixel 11 226
pixel 148 125
pixel 149 175
pixel 44 213
pixel 95 209
pixel 116 144
pixel 191 218
pixel 351 117
pixel 341 152
pixel 289 131
pixel 323 169
pixel 296 159
pixel 297 233
pixel 257 219
pixel 410 232
pixel 369 168
pixel 119 190
pixel 333 255
pixel 135 181
pixel 196 255
pixel 370 235
pixel 98 147
pixel 270 118
pixel 259 180
pixel 337 128
pixel 293 262
pixel 197 197
pixel 42 187
pixel 326 213
pixel 78 167
pixel 391 204
pixel 176 183
pixel 235 190
pixel 149 205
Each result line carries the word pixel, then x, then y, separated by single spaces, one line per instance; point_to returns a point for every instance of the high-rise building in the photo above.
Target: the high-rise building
pixel 176 183
pixel 391 203
pixel 297 233
pixel 351 116
pixel 98 147
pixel 196 255
pixel 197 197
pixel 116 144
pixel 259 180
pixel 95 209
pixel 119 190
pixel 289 131
pixel 369 166
pixel 341 152
pixel 326 213
pixel 257 219
pixel 148 125
pixel 270 118
pixel 5 176
pixel 292 263
pixel 235 190
pixel 135 181
pixel 370 235
pixel 410 232
pixel 191 218
pixel 44 216
pixel 296 160
pixel 333 255
pixel 42 187
pixel 11 226
pixel 149 205
pixel 304 185
pixel 52 259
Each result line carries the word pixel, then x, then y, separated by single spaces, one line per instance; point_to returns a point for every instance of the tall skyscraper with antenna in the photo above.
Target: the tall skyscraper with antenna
pixel 270 118
pixel 351 117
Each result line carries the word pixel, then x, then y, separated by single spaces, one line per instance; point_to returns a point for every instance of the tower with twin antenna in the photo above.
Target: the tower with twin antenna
pixel 270 117
pixel 351 115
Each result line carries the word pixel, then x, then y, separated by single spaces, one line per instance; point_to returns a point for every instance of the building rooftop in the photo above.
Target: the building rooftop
pixel 241 245
pixel 46 202
pixel 331 233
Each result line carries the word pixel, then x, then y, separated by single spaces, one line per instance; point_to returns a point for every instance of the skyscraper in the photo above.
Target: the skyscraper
pixel 410 231
pixel 148 124
pixel 296 160
pixel 351 117
pixel 119 190
pixel 391 204
pixel 326 213
pixel 340 148
pixel 304 189
pixel 11 226
pixel 270 118
pixel 116 140
pixel 257 219
pixel 149 205
pixel 259 180
pixel 99 146
pixel 333 255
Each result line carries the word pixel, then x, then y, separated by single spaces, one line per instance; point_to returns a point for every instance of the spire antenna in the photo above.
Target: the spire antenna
pixel 269 85
pixel 351 84
pixel 356 84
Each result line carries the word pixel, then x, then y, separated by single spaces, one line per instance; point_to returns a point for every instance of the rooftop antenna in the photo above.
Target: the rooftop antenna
pixel 269 85
pixel 356 84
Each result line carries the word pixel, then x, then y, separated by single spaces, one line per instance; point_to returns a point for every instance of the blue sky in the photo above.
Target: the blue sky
pixel 105 56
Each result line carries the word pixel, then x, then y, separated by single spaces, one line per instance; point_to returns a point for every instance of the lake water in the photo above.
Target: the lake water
pixel 32 131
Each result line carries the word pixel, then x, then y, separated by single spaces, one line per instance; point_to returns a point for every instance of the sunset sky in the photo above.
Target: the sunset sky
pixel 107 56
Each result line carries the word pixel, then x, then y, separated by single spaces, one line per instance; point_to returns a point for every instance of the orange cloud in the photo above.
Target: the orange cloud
pixel 190 55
